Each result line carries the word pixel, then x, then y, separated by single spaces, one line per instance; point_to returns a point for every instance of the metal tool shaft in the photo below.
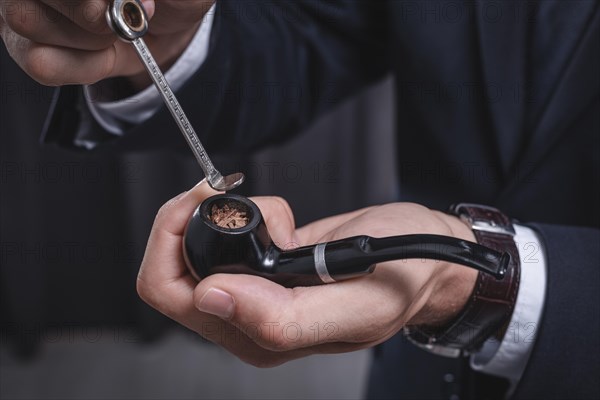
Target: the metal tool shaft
pixel 128 19
pixel 175 108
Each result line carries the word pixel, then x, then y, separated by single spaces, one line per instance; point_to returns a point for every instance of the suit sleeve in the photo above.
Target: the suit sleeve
pixel 272 68
pixel 565 353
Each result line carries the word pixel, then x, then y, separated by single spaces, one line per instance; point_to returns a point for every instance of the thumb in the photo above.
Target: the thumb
pixel 281 319
pixel 243 299
pixel 255 305
pixel 364 310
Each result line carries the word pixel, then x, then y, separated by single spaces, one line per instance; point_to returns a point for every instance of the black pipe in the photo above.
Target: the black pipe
pixel 211 249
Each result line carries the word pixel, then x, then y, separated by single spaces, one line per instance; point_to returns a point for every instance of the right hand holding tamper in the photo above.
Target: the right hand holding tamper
pixel 60 42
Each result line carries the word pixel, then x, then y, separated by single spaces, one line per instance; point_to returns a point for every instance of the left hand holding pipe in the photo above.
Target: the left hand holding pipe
pixel 266 324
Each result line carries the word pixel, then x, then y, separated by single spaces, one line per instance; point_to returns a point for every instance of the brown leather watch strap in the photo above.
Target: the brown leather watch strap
pixel 492 301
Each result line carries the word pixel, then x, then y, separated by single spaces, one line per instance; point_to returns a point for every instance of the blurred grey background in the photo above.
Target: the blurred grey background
pixel 74 328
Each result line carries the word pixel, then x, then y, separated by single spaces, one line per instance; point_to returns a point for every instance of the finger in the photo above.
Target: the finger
pixel 42 24
pixel 173 215
pixel 163 280
pixel 355 311
pixel 56 66
pixel 279 218
pixel 90 15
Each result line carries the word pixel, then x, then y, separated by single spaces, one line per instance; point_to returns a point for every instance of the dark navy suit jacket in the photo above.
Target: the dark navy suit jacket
pixel 497 103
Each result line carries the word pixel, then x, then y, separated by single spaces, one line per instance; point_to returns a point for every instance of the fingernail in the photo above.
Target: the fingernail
pixel 217 302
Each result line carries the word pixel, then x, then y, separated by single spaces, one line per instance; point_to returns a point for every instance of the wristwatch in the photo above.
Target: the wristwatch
pixel 492 301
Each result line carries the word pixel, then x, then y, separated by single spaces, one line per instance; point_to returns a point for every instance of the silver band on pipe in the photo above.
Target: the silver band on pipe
pixel 320 265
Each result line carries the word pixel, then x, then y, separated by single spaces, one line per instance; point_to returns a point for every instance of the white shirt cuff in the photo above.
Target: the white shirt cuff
pixel 114 116
pixel 509 358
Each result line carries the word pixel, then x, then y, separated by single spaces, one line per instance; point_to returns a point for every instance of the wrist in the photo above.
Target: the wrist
pixel 491 302
pixel 452 284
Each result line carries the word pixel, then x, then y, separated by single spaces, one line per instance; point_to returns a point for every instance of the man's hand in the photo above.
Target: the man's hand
pixel 59 42
pixel 266 324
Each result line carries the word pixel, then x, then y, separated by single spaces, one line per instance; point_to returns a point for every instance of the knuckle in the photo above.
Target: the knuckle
pixel 142 290
pixel 280 340
pixel 151 293
pixel 165 209
pixel 276 343
pixel 168 207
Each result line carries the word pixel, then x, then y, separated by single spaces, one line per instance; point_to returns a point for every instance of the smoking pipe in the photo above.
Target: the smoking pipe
pixel 211 248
